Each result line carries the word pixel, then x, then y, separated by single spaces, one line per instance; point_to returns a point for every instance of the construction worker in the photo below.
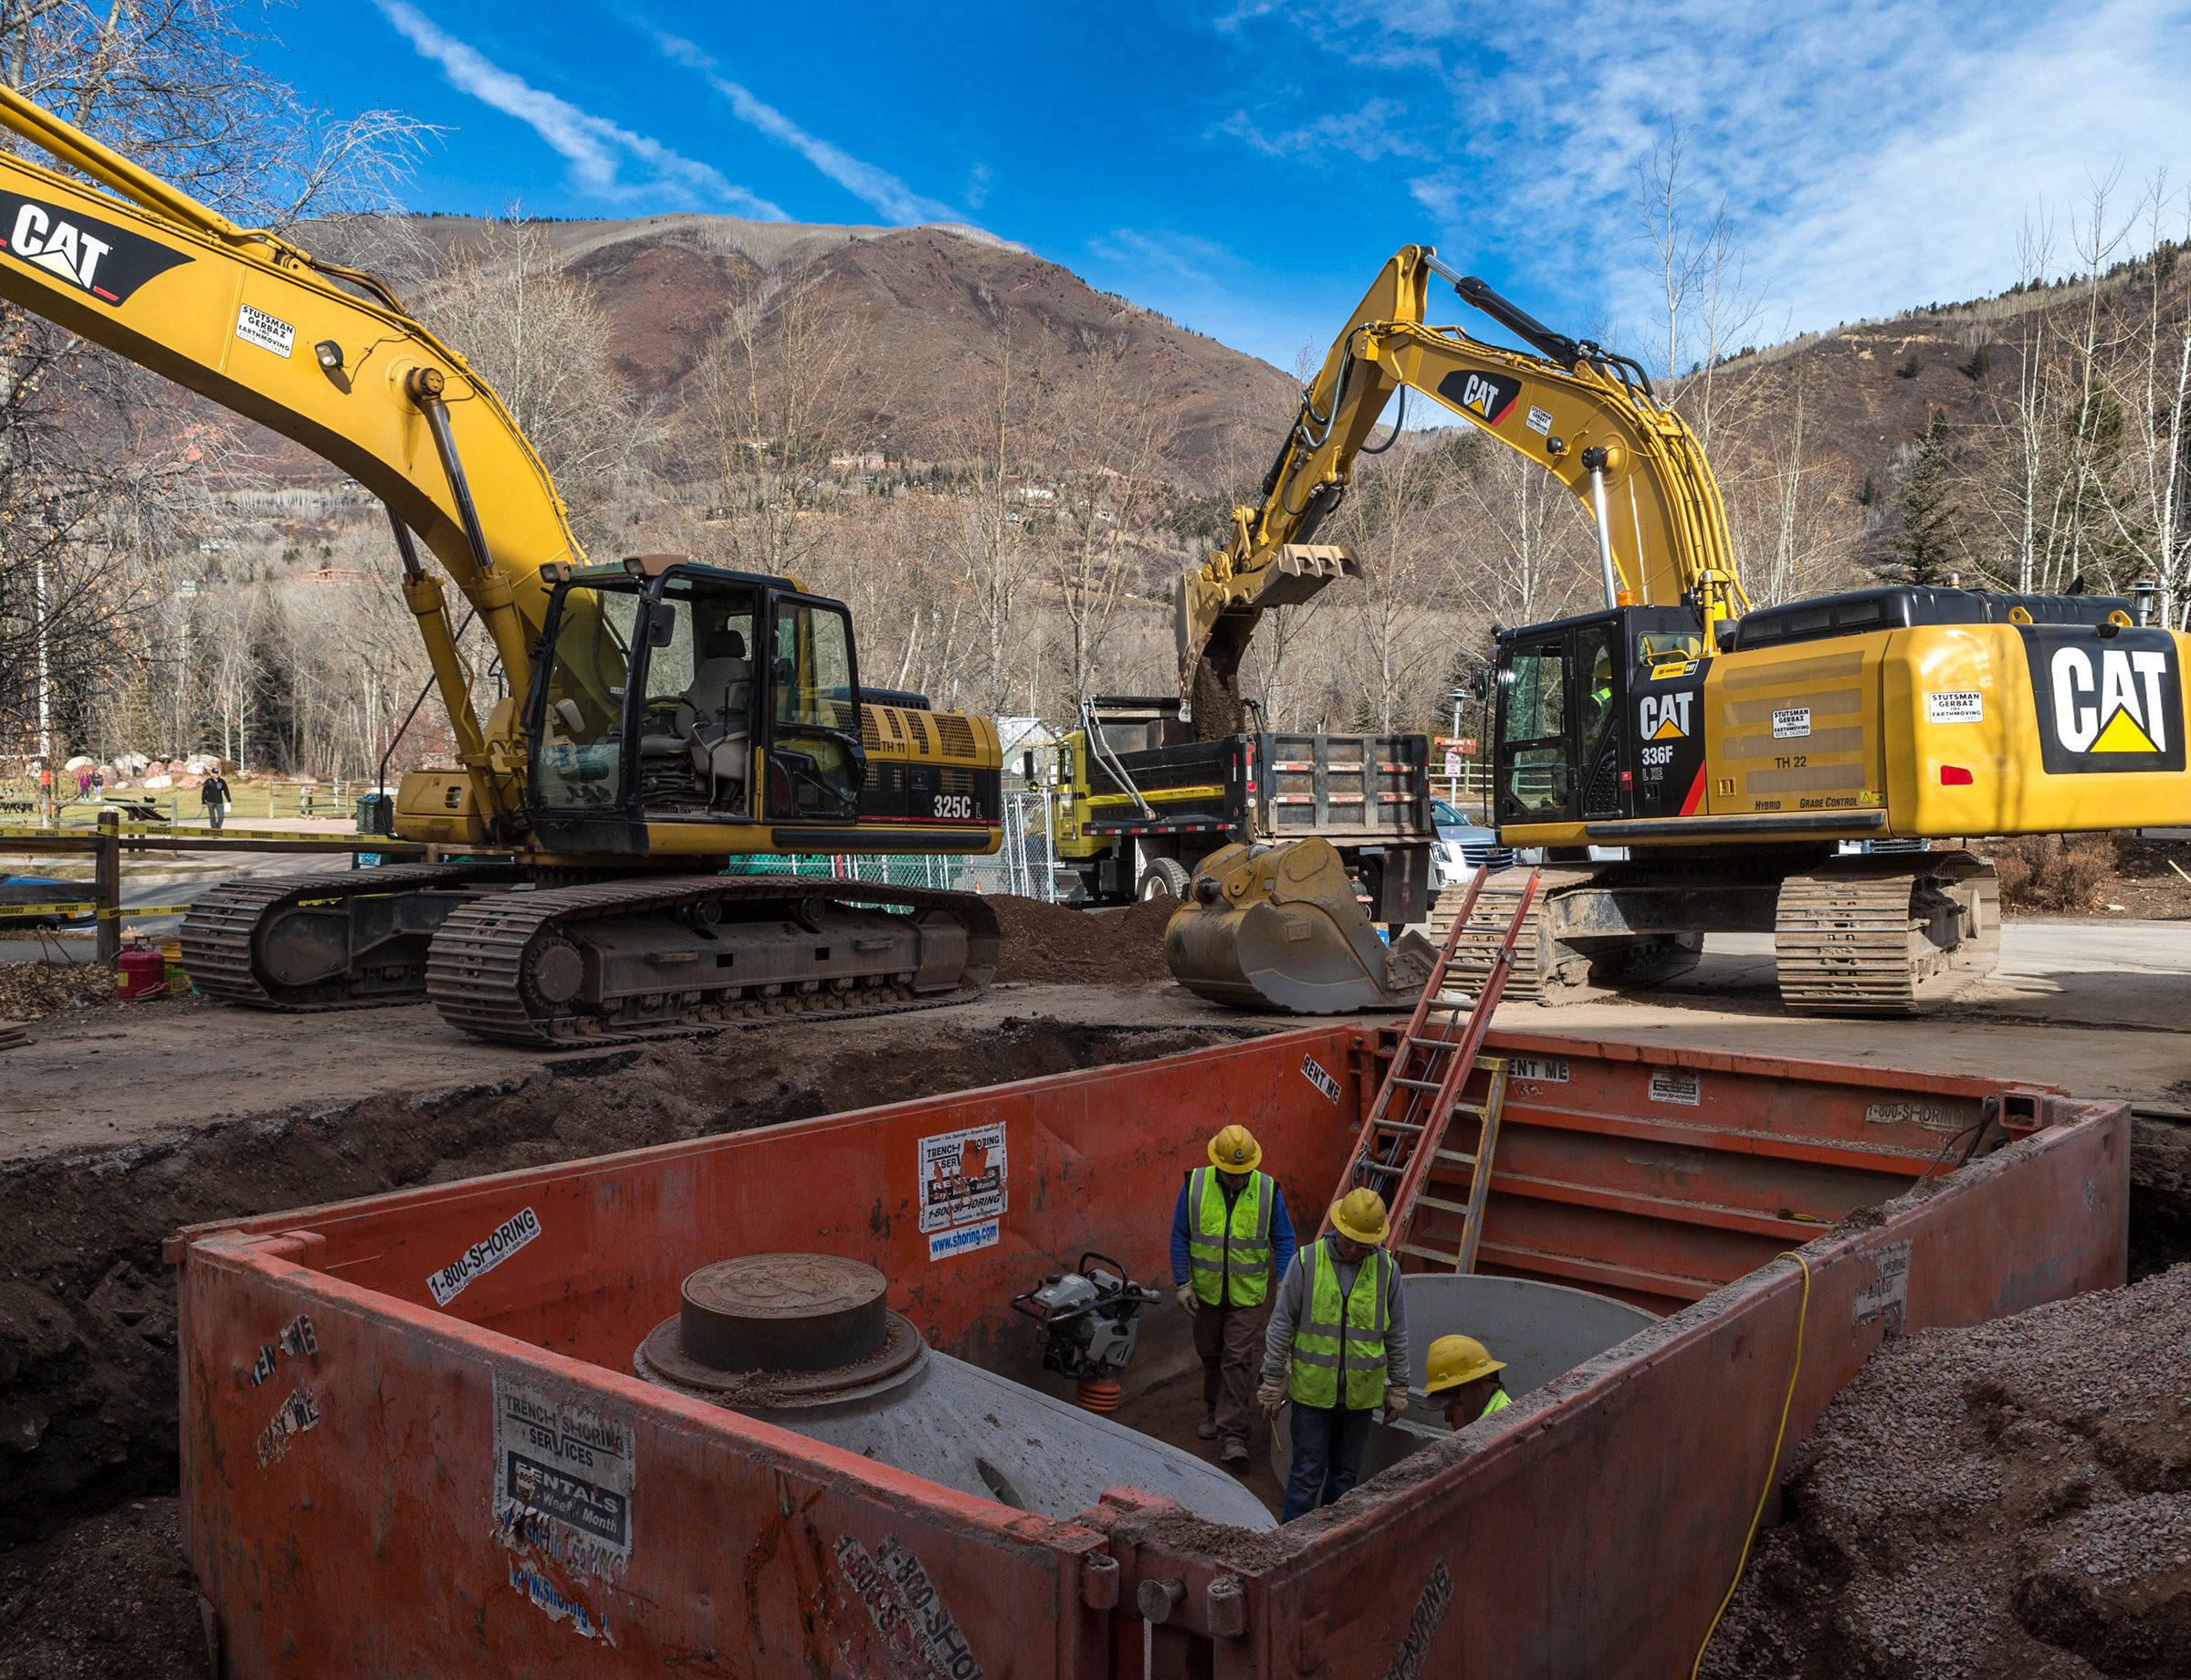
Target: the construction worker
pixel 1229 1237
pixel 1338 1348
pixel 1461 1368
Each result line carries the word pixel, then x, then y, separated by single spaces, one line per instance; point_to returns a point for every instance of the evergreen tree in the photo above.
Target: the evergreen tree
pixel 1924 541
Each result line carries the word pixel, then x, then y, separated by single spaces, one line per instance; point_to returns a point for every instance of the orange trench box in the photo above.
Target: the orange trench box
pixel 353 1377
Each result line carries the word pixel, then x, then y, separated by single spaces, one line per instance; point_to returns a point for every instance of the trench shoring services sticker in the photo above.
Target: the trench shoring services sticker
pixel 564 1477
pixel 962 1189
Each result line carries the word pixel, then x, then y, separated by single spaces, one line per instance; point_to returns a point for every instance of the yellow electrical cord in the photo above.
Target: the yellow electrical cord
pixel 1787 1400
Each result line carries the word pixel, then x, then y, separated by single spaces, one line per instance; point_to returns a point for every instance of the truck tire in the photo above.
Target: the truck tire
pixel 1166 877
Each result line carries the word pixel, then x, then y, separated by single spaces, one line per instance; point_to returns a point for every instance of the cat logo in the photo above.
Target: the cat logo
pixel 1489 397
pixel 2106 705
pixel 2114 708
pixel 91 255
pixel 1666 716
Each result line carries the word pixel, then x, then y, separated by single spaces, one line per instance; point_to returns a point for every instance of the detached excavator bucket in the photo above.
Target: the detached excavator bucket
pixel 1279 927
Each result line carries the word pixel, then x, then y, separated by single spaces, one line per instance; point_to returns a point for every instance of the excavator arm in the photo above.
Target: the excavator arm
pixel 1585 415
pixel 255 323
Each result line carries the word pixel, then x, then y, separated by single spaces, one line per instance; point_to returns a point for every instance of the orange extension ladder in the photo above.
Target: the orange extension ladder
pixel 1402 1142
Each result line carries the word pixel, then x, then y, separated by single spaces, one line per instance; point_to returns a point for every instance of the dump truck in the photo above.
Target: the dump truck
pixel 1142 804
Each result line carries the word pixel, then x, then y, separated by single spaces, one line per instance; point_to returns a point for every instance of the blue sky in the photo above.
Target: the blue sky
pixel 1245 167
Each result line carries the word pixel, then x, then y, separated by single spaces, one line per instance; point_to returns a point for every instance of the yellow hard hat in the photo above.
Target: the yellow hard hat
pixel 1360 1215
pixel 1235 1150
pixel 1456 1360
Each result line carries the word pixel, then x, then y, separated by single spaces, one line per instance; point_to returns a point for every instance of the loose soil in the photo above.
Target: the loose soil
pixel 109 1598
pixel 1054 944
pixel 2009 1499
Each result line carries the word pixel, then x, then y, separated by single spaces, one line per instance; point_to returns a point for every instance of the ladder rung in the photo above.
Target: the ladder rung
pixel 1421 1253
pixel 1419 1085
pixel 1457 1158
pixel 1443 1203
pixel 1384 1124
pixel 1379 1166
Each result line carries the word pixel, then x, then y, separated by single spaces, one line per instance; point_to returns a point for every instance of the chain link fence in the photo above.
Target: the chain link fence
pixel 1025 863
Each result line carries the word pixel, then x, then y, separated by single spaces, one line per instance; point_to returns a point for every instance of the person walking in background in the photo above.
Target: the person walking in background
pixel 83 782
pixel 213 791
pixel 1231 1236
pixel 1338 1348
pixel 99 784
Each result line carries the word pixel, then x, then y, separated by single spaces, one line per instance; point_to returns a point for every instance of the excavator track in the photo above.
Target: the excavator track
pixel 1546 970
pixel 226 937
pixel 1886 936
pixel 514 967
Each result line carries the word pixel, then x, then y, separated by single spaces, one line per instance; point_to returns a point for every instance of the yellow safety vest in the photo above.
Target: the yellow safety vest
pixel 1341 1336
pixel 1500 1399
pixel 1229 1250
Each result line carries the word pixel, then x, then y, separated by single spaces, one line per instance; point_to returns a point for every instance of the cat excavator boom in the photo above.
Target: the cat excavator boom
pixel 1691 764
pixel 1585 413
pixel 662 716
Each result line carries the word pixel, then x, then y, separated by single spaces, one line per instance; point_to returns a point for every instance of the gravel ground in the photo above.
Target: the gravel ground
pixel 2011 1498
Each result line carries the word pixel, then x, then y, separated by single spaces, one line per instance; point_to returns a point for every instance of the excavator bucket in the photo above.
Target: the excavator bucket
pixel 1279 927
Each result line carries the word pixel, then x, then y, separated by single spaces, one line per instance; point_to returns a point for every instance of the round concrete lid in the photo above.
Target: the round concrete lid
pixel 783 1313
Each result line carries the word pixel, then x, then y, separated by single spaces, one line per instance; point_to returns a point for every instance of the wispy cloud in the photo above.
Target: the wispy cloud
pixel 872 185
pixel 1379 128
pixel 1186 255
pixel 597 149
pixel 977 186
pixel 1870 153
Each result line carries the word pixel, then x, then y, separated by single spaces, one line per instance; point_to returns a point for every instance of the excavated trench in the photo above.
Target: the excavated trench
pixel 90 1584
pixel 88 1418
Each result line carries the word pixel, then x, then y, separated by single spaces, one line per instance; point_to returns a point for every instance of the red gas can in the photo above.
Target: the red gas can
pixel 139 972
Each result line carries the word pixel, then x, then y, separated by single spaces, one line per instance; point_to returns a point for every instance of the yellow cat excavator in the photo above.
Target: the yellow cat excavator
pixel 1691 764
pixel 663 717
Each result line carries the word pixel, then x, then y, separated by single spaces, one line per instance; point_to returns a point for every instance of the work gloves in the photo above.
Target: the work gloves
pixel 1188 1299
pixel 1271 1395
pixel 1396 1404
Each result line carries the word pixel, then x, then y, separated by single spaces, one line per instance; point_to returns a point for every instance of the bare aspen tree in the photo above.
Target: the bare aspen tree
pixel 540 338
pixel 772 401
pixel 2153 385
pixel 1007 403
pixel 1398 623
pixel 176 86
pixel 1108 444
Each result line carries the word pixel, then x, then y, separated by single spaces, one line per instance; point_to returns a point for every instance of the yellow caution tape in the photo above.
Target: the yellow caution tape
pixel 86 909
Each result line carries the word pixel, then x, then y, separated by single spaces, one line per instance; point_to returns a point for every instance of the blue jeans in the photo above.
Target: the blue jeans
pixel 1328 1446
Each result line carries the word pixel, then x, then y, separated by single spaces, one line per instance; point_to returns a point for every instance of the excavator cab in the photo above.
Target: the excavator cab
pixel 1571 745
pixel 672 692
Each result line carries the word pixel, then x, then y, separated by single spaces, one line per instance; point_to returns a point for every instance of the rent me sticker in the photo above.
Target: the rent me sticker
pixel 564 1477
pixel 1313 1071
pixel 962 1184
pixel 1544 1069
pixel 483 1257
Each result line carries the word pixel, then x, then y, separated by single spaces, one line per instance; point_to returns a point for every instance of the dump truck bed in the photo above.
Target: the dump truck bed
pixel 412 1441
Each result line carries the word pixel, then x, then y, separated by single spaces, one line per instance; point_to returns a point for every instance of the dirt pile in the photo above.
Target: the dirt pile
pixel 1051 944
pixel 2009 1498
pixel 109 1596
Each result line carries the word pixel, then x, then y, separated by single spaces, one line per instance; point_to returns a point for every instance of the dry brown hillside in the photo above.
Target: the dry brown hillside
pixel 922 307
